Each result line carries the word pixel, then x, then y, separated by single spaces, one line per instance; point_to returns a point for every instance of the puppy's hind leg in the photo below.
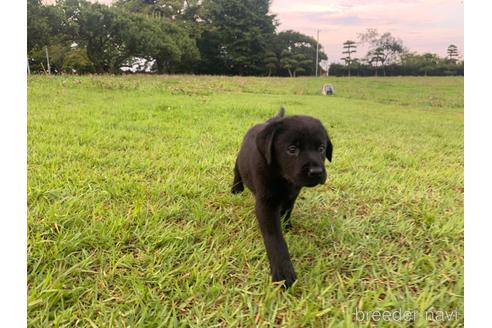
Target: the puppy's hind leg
pixel 237 184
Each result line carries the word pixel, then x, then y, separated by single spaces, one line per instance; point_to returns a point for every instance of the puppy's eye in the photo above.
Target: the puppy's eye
pixel 292 150
pixel 321 149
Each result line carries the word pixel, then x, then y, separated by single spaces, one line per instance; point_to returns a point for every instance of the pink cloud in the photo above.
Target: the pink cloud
pixel 424 26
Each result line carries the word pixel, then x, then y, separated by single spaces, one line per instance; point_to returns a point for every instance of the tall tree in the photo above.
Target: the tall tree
pixel 375 57
pixel 453 53
pixel 235 36
pixel 104 30
pixel 46 30
pixel 38 29
pixel 178 52
pixel 349 47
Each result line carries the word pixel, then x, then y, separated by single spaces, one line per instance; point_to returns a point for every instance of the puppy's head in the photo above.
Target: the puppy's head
pixel 297 147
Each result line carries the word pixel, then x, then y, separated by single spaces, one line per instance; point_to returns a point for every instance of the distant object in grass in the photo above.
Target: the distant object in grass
pixel 327 90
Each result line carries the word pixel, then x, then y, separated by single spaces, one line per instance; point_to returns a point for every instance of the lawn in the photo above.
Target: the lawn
pixel 131 222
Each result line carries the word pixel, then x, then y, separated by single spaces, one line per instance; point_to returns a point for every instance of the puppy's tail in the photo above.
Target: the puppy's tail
pixel 281 112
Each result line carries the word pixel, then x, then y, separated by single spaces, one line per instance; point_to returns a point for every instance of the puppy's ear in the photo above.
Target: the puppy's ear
pixel 264 140
pixel 329 149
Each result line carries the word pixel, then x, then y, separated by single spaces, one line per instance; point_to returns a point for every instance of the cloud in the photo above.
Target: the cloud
pixel 423 25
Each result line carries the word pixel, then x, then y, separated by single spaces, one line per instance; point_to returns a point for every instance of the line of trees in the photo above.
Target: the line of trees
pixel 387 56
pixel 229 37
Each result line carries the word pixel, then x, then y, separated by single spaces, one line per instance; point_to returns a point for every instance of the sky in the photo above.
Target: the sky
pixel 422 25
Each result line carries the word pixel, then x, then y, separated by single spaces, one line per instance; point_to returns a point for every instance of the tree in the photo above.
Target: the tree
pixel 388 47
pixel 38 29
pixel 288 62
pixel 429 60
pixel 46 30
pixel 104 30
pixel 453 53
pixel 235 37
pixel 294 63
pixel 375 57
pixel 77 61
pixel 108 37
pixel 154 8
pixel 350 48
pixel 300 62
pixel 177 51
pixel 296 43
pixel 271 61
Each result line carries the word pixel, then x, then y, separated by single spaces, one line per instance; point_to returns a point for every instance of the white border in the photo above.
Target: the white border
pixel 13 178
pixel 478 164
pixel 13 172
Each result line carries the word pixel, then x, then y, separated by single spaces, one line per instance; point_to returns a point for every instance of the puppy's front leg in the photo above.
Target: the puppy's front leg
pixel 268 215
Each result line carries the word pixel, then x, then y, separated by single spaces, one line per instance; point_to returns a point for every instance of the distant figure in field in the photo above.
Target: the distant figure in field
pixel 327 90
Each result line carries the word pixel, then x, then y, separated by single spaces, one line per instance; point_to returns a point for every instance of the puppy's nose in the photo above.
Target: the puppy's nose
pixel 315 171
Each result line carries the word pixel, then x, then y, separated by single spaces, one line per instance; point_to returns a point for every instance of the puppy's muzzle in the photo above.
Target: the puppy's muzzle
pixel 315 175
pixel 315 172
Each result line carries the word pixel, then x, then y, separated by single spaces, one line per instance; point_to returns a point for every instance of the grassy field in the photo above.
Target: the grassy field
pixel 131 223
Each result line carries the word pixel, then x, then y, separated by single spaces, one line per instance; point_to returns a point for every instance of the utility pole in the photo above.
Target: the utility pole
pixel 317 47
pixel 48 60
pixel 28 68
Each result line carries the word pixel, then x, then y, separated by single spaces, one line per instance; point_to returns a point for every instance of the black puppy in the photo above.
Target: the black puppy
pixel 277 158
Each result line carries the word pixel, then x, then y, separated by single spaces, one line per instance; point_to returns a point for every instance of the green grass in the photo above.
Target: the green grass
pixel 131 223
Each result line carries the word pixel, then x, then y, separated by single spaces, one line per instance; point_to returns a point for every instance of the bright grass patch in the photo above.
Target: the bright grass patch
pixel 131 222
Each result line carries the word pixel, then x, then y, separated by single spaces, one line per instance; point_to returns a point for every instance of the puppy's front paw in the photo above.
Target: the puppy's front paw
pixel 285 274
